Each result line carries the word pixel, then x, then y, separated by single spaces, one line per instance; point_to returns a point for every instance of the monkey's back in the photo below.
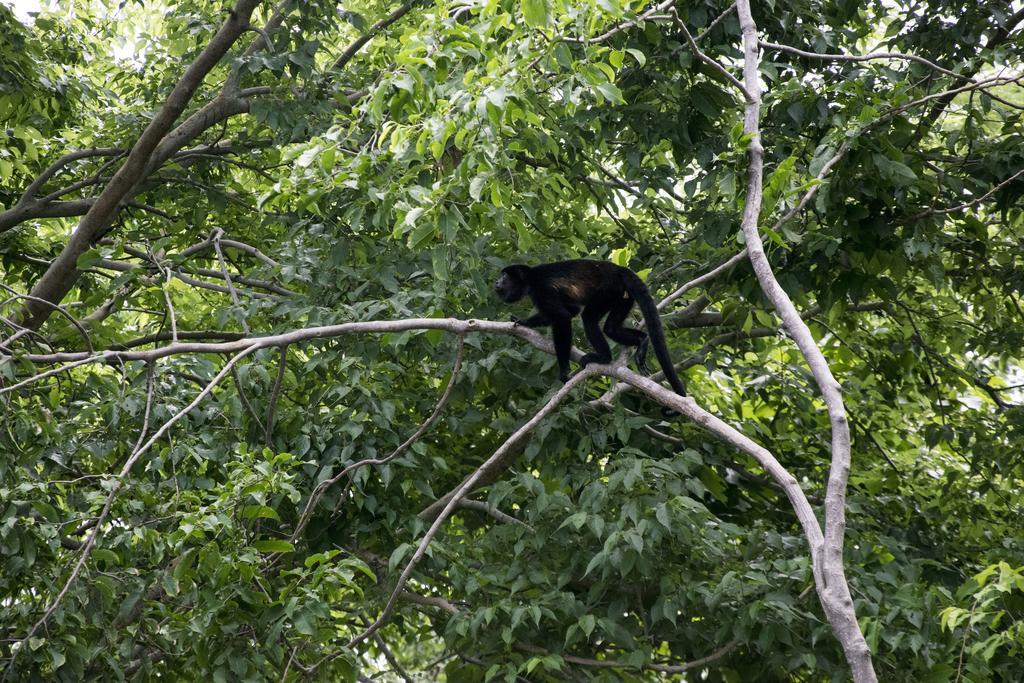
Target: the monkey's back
pixel 582 280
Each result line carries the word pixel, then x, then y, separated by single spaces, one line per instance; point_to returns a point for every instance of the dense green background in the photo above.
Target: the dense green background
pixel 464 137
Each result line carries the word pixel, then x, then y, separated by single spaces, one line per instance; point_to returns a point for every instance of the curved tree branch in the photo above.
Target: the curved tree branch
pixel 829 574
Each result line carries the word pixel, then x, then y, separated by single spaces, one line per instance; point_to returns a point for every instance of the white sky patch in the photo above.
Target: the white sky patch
pixel 124 50
pixel 22 8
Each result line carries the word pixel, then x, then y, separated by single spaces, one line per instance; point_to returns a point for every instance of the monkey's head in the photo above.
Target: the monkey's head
pixel 512 284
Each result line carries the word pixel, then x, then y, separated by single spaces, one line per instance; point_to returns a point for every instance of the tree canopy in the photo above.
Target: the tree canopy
pixel 263 417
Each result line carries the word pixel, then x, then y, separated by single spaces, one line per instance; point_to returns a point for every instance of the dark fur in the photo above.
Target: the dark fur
pixel 592 290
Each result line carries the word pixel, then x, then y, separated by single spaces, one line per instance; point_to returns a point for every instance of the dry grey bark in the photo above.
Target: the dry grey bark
pixel 826 552
pixel 62 274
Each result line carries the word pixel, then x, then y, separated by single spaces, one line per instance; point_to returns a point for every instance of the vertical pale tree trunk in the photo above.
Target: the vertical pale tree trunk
pixel 829 575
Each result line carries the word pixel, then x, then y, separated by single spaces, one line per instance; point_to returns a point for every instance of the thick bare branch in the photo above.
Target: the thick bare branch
pixel 62 274
pixel 306 334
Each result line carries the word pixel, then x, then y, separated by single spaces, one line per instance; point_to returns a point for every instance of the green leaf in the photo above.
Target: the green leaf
pixel 273 546
pixel 105 555
pixel 587 623
pixel 621 257
pixel 88 259
pixel 640 57
pixel 423 232
pixel 536 13
pixel 476 187
pixel 661 513
pixel 170 584
pixel 260 511
pixel 576 520
pixel 610 92
pixel 46 510
pixel 397 555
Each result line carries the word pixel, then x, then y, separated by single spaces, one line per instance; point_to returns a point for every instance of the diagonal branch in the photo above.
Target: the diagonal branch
pixel 62 274
pixel 707 60
pixel 463 489
pixel 353 49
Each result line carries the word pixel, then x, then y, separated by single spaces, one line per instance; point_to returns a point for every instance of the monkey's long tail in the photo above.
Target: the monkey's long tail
pixel 638 290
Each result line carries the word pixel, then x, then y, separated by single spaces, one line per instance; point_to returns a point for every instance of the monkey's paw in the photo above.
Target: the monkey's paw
pixel 594 358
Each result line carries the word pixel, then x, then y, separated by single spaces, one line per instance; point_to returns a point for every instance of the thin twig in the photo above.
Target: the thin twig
pixel 233 244
pixel 57 307
pixel 481 506
pixel 371 33
pixel 245 400
pixel 710 275
pixel 430 601
pixel 618 28
pixel 388 655
pixel 707 60
pixel 32 189
pixel 170 305
pixel 227 276
pixel 726 12
pixel 275 393
pixel 967 205
pixel 651 666
pixel 150 377
pixel 861 58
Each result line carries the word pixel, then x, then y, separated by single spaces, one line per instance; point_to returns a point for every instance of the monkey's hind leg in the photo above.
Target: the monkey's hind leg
pixel 614 327
pixel 592 326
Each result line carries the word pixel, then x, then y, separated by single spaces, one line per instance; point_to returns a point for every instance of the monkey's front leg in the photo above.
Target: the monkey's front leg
pixel 561 335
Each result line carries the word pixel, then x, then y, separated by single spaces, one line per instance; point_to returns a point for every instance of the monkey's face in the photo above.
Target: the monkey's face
pixel 509 287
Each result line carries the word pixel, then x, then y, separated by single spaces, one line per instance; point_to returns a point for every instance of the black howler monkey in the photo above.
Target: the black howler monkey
pixel 592 289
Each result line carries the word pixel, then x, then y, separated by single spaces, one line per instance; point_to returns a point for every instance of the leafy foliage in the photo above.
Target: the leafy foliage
pixel 461 138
